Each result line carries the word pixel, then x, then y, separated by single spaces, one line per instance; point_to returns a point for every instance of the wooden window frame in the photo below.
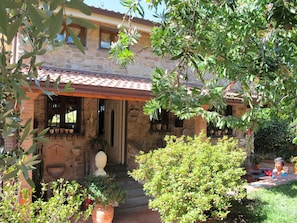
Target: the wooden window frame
pixel 162 123
pixel 64 35
pixel 215 132
pixel 113 37
pixel 58 105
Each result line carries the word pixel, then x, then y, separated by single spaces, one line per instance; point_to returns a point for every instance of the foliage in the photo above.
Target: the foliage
pixel 37 23
pixel 97 142
pixel 257 158
pixel 64 204
pixel 241 48
pixel 276 140
pixel 276 204
pixel 293 160
pixel 104 190
pixel 191 179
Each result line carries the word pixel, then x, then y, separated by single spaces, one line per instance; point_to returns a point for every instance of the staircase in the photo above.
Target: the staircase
pixel 136 199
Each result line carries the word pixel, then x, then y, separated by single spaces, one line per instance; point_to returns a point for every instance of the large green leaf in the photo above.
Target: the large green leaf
pixel 13 29
pixel 55 3
pixel 83 22
pixel 10 175
pixel 80 5
pixel 35 17
pixel 55 24
pixel 3 18
pixel 75 39
pixel 26 131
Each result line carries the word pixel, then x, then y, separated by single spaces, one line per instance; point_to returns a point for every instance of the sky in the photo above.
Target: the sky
pixel 115 5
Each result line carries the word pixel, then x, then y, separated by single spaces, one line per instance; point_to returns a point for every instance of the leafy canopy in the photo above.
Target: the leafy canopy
pixel 37 24
pixel 222 49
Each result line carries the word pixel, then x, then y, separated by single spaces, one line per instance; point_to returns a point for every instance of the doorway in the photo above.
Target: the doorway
pixel 115 130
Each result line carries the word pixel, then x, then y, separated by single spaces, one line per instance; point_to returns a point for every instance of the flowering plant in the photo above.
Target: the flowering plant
pixel 104 190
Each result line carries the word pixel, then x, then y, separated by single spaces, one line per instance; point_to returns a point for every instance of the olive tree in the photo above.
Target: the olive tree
pixel 37 23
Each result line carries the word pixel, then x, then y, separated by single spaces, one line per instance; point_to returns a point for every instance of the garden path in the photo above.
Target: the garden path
pixel 267 182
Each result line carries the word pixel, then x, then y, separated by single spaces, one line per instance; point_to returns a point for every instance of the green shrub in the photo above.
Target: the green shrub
pixel 191 179
pixel 104 190
pixel 64 205
pixel 276 139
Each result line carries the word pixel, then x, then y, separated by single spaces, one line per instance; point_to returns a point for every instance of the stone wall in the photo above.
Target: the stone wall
pixel 96 59
pixel 140 136
pixel 71 150
pixel 75 153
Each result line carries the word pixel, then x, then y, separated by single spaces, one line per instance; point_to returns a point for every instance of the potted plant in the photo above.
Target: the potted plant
pixel 104 193
pixel 97 142
pixel 294 161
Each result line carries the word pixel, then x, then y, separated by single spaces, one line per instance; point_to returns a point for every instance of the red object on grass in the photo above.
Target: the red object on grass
pixel 268 172
pixel 88 202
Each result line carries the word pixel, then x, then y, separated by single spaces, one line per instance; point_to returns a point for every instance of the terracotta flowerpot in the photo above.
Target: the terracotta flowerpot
pixel 102 214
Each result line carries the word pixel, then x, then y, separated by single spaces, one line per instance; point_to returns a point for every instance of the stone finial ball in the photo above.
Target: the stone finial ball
pixel 101 159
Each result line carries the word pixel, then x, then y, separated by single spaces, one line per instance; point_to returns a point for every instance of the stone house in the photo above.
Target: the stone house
pixel 107 103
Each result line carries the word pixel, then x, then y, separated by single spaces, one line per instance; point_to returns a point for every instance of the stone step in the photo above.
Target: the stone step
pixel 136 198
pixel 132 204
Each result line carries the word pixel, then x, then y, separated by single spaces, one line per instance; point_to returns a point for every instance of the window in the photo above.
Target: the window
pixel 64 112
pixel 162 123
pixel 215 132
pixel 107 36
pixel 80 32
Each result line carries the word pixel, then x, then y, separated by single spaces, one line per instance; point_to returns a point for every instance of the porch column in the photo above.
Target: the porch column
pixel 200 123
pixel 27 112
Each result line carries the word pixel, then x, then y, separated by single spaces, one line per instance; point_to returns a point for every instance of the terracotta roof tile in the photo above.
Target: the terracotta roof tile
pixel 96 79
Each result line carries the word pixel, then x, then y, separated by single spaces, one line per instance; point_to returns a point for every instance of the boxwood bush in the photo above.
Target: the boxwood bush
pixel 191 179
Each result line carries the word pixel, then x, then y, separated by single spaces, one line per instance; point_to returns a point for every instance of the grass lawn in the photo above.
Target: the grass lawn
pixel 274 205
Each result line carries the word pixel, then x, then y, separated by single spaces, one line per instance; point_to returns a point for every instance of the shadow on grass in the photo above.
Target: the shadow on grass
pixel 246 211
pixel 253 210
pixel 289 189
